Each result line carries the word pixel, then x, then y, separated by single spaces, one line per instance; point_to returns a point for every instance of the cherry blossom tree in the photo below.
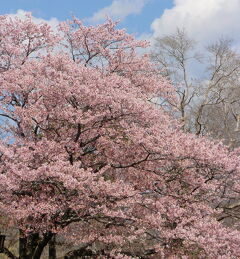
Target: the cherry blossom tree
pixel 88 156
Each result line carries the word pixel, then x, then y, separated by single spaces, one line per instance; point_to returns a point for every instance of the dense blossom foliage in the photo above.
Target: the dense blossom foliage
pixel 85 151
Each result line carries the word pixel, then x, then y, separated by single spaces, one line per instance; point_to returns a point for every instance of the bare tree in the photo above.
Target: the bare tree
pixel 209 103
pixel 173 54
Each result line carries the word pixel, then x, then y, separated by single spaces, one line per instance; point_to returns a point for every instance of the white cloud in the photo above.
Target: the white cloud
pixel 204 20
pixel 119 9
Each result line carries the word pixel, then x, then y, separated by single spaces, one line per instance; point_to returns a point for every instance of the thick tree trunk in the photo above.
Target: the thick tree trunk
pixel 22 248
pixel 32 243
pixel 38 251
pixel 52 248
pixel 31 247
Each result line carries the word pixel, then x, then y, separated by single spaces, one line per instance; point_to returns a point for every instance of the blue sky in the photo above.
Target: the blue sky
pixel 204 20
pixel 137 23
